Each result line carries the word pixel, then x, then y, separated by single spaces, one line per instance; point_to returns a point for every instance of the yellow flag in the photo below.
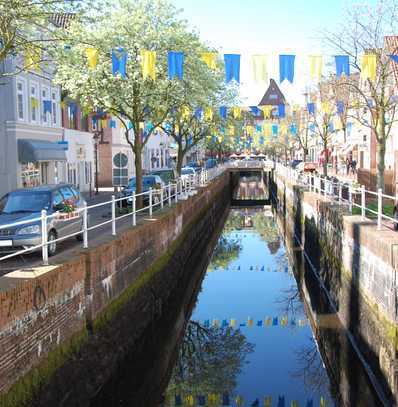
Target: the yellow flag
pixel 250 130
pixel 326 107
pixel 208 115
pixel 239 401
pixel 34 102
pixel 267 129
pixel 32 60
pixel 315 66
pixel 231 130
pixel 268 401
pixel 212 399
pixel 323 402
pixel 232 323
pixel 92 57
pixel 148 63
pixel 209 58
pixel 104 123
pixel 266 110
pixel 368 67
pixel 185 112
pixel 259 65
pixel 189 400
pixel 237 112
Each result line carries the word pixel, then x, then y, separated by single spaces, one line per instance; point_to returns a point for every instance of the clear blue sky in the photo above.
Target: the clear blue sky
pixel 270 27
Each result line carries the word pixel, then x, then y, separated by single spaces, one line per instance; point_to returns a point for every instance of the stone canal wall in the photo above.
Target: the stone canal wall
pixel 65 328
pixel 356 266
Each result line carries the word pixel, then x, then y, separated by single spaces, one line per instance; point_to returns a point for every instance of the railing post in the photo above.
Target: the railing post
pixel 363 202
pixel 161 197
pixel 325 188
pixel 379 207
pixel 85 225
pixel 150 202
pixel 133 208
pixel 350 198
pixel 113 216
pixel 44 239
pixel 169 193
pixel 340 193
pixel 176 191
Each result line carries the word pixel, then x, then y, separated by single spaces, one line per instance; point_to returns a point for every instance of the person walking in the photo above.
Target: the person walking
pixel 354 167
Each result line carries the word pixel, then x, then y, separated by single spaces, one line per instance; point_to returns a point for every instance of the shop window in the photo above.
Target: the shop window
pixel 30 175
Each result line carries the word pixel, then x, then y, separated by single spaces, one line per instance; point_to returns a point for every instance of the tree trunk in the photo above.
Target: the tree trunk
pixel 180 159
pixel 325 159
pixel 380 157
pixel 138 168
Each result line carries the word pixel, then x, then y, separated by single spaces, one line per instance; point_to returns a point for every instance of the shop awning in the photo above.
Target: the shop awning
pixel 30 151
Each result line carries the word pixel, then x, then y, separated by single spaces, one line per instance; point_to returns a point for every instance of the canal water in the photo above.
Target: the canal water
pixel 249 341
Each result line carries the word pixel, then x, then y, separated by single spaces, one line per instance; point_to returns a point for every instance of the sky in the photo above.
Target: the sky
pixel 269 27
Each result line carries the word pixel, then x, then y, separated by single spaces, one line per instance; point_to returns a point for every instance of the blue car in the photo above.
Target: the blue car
pixel 211 163
pixel 148 181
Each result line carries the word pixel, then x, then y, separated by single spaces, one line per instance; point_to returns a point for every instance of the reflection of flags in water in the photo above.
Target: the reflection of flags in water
pixel 323 402
pixel 268 401
pixel 281 401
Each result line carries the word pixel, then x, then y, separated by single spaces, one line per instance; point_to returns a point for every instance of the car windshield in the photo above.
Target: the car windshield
pixel 25 202
pixel 186 171
pixel 132 183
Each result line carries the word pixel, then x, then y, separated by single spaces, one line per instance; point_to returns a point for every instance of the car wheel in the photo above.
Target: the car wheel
pixel 52 245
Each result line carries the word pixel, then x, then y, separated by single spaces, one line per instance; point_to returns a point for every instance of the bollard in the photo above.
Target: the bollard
pixel 44 241
pixel 85 226
pixel 113 216
pixel 363 202
pixel 133 206
pixel 379 207
pixel 150 202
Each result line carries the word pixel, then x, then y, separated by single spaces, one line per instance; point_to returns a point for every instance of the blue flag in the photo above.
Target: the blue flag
pixel 255 110
pixel 293 129
pixel 281 110
pixel 281 401
pixel 202 400
pixel 199 113
pixel 394 58
pixel 175 64
pixel 275 321
pixel 310 403
pixel 113 124
pixel 178 400
pixel 342 65
pixel 223 112
pixel 340 107
pixel 47 106
pixel 311 108
pixel 225 399
pixel 119 61
pixel 286 67
pixel 232 67
pixel 275 129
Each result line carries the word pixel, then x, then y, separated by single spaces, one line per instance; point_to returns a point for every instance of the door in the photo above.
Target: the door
pixel 361 159
pixel 70 225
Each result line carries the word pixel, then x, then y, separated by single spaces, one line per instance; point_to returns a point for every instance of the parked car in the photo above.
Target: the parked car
pixel 148 181
pixel 195 165
pixel 210 163
pixel 306 167
pixel 186 172
pixel 167 175
pixel 26 204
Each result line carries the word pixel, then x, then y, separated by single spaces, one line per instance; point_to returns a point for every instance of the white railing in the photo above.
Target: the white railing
pixel 182 189
pixel 345 192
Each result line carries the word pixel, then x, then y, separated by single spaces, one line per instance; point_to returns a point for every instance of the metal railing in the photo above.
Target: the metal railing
pixel 370 203
pixel 182 189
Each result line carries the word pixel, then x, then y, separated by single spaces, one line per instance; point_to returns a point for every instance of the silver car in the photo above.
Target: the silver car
pixel 62 201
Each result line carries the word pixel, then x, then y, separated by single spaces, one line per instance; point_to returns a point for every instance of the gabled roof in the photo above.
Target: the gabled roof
pixel 62 20
pixel 273 95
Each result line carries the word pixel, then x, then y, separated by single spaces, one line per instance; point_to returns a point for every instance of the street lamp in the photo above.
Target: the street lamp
pixel 98 137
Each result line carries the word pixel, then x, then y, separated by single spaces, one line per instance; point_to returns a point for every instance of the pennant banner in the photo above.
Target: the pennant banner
pixel 92 57
pixel 368 67
pixel 119 62
pixel 148 62
pixel 237 112
pixel 232 67
pixel 209 58
pixel 175 64
pixel 342 65
pixel 286 68
pixel 259 65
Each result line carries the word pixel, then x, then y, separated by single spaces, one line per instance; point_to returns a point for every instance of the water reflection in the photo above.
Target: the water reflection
pixel 251 187
pixel 249 342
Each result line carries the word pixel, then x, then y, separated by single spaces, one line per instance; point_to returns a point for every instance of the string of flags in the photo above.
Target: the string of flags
pixel 225 399
pixel 283 321
pixel 232 64
pixel 281 269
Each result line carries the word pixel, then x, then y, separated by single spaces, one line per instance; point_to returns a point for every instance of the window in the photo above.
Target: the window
pixel 54 107
pixel 67 193
pixel 46 117
pixel 34 103
pixel 57 198
pixel 273 96
pixel 21 100
pixel 120 173
pixel 30 175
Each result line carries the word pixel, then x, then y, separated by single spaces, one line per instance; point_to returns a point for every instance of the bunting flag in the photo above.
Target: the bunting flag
pixel 326 107
pixel 311 108
pixel 281 110
pixel 281 401
pixel 92 57
pixel 323 402
pixel 237 112
pixel 294 403
pixel 368 67
pixel 119 62
pixel 342 65
pixel 223 112
pixel 208 113
pixel 199 113
pixel 293 129
pixel 283 128
pixel 209 58
pixel 274 129
pixel 310 403
pixel 259 65
pixel 148 64
pixel 266 110
pixel 34 102
pixel 316 62
pixel 232 67
pixel 112 124
pixel 286 68
pixel 250 130
pixel 185 112
pixel 32 60
pixel 255 110
pixel 231 130
pixel 175 64
pixel 394 58
pixel 268 401
pixel 47 106
pixel 340 107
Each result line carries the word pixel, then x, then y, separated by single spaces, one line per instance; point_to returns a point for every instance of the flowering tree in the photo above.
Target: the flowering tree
pixel 129 28
pixel 364 33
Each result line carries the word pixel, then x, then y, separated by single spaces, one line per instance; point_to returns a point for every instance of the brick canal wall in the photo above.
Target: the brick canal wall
pixel 66 327
pixel 357 266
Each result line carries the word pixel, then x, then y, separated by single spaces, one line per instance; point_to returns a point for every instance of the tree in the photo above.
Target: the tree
pixel 29 27
pixel 226 251
pixel 364 31
pixel 300 120
pixel 130 27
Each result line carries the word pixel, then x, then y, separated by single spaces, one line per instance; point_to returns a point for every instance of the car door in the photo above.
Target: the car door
pixel 58 223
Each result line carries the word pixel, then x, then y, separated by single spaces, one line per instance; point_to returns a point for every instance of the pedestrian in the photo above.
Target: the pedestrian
pixel 348 165
pixel 395 215
pixel 354 166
